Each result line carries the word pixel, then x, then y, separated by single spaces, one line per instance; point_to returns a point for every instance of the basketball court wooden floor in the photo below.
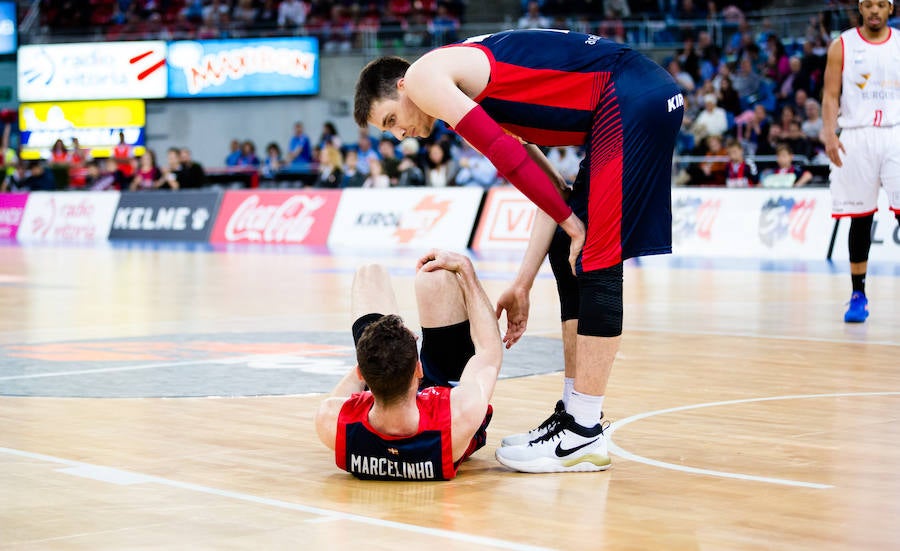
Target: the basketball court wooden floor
pixel 163 399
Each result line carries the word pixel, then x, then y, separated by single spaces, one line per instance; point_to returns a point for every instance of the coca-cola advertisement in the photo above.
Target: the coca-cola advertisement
pixel 82 217
pixel 12 209
pixel 278 217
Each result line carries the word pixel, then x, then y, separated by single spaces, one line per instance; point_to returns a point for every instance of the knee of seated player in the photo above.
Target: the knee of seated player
pixel 370 272
pixel 439 298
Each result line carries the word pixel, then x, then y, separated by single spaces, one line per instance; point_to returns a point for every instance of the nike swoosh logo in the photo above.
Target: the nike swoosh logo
pixel 562 452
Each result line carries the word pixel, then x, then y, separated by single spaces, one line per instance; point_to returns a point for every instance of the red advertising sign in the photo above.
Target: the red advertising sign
pixel 12 208
pixel 285 217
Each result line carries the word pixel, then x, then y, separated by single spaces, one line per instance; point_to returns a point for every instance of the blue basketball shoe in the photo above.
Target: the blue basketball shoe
pixel 858 310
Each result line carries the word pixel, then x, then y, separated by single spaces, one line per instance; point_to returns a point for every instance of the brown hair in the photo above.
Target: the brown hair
pixel 387 357
pixel 378 80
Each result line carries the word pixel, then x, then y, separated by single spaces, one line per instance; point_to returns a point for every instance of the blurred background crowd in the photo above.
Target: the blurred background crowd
pixel 752 87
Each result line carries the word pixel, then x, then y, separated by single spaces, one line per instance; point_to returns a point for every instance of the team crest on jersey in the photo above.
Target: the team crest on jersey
pixel 393 451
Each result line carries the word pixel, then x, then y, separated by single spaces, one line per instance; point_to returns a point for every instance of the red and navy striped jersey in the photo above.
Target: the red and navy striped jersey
pixel 545 84
pixel 370 455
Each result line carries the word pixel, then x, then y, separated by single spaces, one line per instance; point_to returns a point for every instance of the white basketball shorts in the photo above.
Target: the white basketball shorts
pixel 871 160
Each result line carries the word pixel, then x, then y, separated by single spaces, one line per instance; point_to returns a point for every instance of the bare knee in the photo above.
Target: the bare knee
pixel 371 271
pixel 432 285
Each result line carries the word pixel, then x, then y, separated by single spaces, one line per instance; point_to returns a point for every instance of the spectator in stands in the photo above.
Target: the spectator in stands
pixel 267 15
pixel 799 103
pixel 746 80
pixel 812 126
pixel 740 172
pixel 444 27
pixel 474 168
pixel 728 97
pixel 352 176
pixel 97 180
pixel 273 161
pixel 148 175
pixel 377 178
pixel 300 147
pixel 616 9
pixel 532 18
pixel 787 174
pixel 365 149
pixel 329 136
pixel 292 13
pixel 683 78
pixel 234 153
pixel 248 154
pixel 786 116
pixel 331 167
pixel 796 139
pixel 173 167
pixel 756 131
pixel 244 14
pixel 709 54
pixel 778 65
pixel 688 58
pixel 38 178
pixel 411 172
pixel 59 154
pixel 441 168
pixel 192 174
pixel 389 160
pixel 711 120
pixel 792 83
pixel 123 156
pixel 9 160
pixel 566 161
pixel 216 13
pixel 711 172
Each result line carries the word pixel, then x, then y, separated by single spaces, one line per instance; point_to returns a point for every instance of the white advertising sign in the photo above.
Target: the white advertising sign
pixel 405 217
pixel 885 235
pixel 96 70
pixel 506 221
pixel 82 217
pixel 751 223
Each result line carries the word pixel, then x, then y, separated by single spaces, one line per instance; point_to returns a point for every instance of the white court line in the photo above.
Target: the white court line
pixel 225 360
pixel 613 448
pixel 324 513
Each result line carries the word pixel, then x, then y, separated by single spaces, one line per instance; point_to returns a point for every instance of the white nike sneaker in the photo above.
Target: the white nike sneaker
pixel 548 425
pixel 568 448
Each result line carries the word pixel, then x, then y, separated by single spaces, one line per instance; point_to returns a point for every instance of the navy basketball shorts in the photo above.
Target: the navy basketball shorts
pixel 623 191
pixel 444 353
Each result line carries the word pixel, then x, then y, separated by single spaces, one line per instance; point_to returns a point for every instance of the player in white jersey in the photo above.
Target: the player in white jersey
pixel 862 97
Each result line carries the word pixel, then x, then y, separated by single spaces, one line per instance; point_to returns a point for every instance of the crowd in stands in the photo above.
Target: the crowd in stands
pixel 752 97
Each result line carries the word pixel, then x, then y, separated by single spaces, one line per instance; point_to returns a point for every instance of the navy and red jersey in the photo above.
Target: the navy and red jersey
pixel 369 455
pixel 545 85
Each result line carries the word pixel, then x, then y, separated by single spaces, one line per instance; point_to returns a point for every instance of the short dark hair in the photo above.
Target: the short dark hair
pixel 387 357
pixel 378 80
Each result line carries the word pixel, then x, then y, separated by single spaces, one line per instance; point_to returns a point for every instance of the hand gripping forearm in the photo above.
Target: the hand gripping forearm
pixel 512 161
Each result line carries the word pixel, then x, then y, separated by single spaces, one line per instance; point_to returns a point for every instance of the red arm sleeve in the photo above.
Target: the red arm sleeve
pixel 512 161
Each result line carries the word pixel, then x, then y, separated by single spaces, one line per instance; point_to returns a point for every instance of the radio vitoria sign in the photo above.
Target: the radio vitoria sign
pixel 181 69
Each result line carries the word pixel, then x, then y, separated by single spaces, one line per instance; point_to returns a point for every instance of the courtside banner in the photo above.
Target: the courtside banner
pixel 166 216
pixel 505 222
pixel 77 217
pixel 751 223
pixel 93 70
pixel 12 208
pixel 282 217
pixel 885 235
pixel 247 67
pixel 401 217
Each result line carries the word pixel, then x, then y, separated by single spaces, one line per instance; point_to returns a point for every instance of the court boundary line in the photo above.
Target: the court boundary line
pixel 625 454
pixel 322 514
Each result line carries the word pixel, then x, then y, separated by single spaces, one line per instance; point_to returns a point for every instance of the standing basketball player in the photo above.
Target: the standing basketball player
pixel 862 97
pixel 555 88
pixel 419 419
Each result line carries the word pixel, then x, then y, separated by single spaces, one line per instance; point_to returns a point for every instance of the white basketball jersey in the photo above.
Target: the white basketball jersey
pixel 870 92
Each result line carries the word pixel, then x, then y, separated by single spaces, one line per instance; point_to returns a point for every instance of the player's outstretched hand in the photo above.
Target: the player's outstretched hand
pixel 437 259
pixel 516 303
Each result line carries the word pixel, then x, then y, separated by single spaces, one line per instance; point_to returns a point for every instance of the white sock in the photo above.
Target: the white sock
pixel 568 387
pixel 586 409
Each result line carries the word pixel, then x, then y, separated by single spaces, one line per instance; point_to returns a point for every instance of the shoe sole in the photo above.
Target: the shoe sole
pixel 591 462
pixel 855 320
